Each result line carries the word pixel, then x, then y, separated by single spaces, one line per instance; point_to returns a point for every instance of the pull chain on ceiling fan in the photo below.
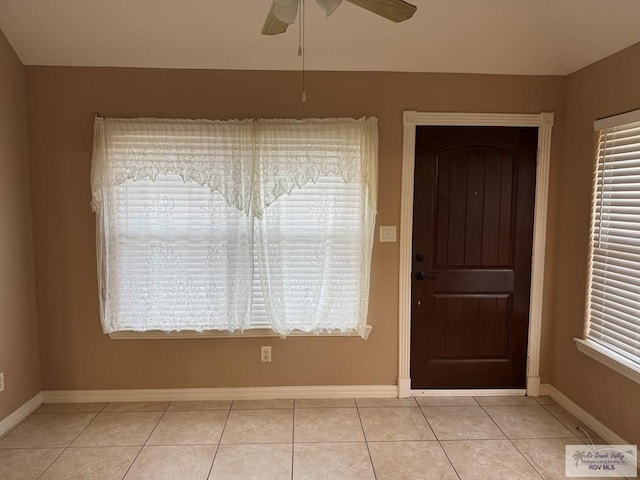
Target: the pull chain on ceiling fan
pixel 284 12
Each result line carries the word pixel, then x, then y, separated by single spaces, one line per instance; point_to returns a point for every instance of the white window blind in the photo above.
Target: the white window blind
pixel 229 226
pixel 613 319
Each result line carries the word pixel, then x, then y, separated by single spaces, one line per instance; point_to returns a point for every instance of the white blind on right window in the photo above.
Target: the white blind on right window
pixel 613 319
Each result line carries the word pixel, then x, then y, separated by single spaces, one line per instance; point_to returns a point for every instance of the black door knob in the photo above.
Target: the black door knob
pixel 420 275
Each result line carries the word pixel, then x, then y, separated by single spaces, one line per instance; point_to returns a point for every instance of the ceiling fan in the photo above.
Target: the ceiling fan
pixel 284 12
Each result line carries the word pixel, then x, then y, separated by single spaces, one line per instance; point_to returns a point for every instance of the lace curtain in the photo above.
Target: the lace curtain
pixel 210 225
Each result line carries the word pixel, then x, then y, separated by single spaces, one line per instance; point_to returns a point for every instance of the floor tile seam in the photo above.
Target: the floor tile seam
pixel 112 412
pixel 259 409
pixel 543 407
pixel 64 449
pixel 6 449
pixel 476 400
pixel 536 398
pixel 52 463
pixel 112 445
pixel 213 460
pixel 534 404
pixel 66 413
pixel 448 406
pixel 494 421
pixel 195 444
pixel 143 445
pixel 469 439
pixel 293 439
pixel 215 455
pixel 332 407
pixel 428 423
pixel 198 410
pixel 364 435
pixel 507 438
pixel 321 408
pixel 455 470
pixel 561 422
pixel 476 404
pixel 540 474
pixel 518 451
pixel 139 447
pixel 402 441
pixel 333 441
pixel 383 406
pixel 446 439
pixel 549 438
pixel 164 409
pixel 12 429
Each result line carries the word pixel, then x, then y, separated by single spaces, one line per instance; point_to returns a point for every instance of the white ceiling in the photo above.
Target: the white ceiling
pixel 538 37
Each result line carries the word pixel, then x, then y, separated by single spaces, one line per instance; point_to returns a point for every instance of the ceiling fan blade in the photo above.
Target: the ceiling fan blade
pixel 273 26
pixel 286 13
pixel 394 10
pixel 328 6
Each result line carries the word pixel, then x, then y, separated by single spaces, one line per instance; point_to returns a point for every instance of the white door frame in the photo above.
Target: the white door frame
pixel 411 119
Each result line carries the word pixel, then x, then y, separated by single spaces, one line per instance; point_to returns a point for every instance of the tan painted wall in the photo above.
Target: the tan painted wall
pixel 61 105
pixel 605 88
pixel 19 357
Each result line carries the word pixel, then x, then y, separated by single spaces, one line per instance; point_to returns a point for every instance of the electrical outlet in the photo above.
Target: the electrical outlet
pixel 265 354
pixel 2 377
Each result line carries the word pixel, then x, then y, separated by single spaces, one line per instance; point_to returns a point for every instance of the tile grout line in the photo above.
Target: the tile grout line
pixel 145 442
pixel 366 442
pixel 64 449
pixel 439 442
pixel 11 430
pixel 509 438
pixel 563 424
pixel 220 441
pixel 293 437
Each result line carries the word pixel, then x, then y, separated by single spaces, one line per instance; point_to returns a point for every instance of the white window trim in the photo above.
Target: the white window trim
pixel 595 350
pixel 411 119
pixel 608 357
pixel 617 120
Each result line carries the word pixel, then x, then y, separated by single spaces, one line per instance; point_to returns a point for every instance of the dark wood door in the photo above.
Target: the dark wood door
pixel 472 242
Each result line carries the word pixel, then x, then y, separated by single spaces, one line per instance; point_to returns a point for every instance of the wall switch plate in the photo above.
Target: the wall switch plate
pixel 388 234
pixel 1 381
pixel 265 354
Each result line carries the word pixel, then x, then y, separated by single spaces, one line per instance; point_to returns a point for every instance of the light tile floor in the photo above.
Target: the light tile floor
pixel 437 438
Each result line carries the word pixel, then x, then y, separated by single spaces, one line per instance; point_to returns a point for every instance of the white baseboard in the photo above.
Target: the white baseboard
pixel 544 389
pixel 20 414
pixel 585 417
pixel 236 393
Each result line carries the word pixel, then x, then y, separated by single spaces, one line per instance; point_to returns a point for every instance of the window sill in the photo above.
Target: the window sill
pixel 253 333
pixel 609 358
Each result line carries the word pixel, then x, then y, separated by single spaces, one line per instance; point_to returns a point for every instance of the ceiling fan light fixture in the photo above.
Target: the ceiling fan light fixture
pixel 328 6
pixel 286 13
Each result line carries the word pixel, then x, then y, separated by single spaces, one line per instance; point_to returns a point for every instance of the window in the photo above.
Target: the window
pixel 208 225
pixel 613 310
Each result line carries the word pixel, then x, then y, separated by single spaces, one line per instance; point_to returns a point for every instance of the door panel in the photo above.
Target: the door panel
pixel 472 239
